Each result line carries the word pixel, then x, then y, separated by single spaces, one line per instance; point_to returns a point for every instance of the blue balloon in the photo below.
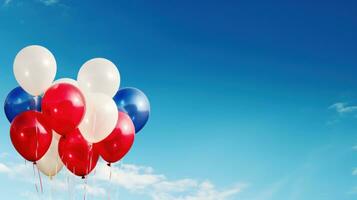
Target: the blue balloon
pixel 18 101
pixel 135 103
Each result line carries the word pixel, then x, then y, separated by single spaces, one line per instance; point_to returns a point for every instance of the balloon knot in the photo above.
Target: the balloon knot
pixel 83 177
pixel 34 163
pixel 109 164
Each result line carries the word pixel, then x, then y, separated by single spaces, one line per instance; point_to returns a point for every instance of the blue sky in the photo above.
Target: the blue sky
pixel 250 100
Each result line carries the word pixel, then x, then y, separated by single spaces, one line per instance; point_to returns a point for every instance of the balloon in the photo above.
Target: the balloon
pixel 99 75
pixel 77 154
pixel 64 107
pixel 50 164
pixel 18 101
pixel 100 118
pixel 135 104
pixel 35 69
pixel 30 135
pixel 66 80
pixel 118 143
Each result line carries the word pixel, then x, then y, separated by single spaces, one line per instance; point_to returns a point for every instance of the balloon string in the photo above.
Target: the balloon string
pixel 116 188
pixel 110 179
pixel 72 183
pixel 36 156
pixel 40 179
pixel 90 158
pixel 85 189
pixel 68 187
pixel 36 143
pixel 94 123
pixel 110 174
pixel 51 187
pixel 34 177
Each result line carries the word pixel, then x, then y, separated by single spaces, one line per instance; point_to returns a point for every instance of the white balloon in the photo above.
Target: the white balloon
pixel 99 75
pixel 66 80
pixel 35 69
pixel 50 164
pixel 100 118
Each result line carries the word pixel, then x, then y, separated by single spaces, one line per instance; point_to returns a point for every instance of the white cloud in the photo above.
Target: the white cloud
pixel 143 180
pixel 176 186
pixel 49 2
pixel 354 148
pixel 59 184
pixel 270 192
pixel 92 190
pixel 354 172
pixel 130 177
pixel 353 191
pixel 4 155
pixel 29 195
pixel 204 191
pixel 17 170
pixel 4 168
pixel 6 2
pixel 343 108
pixel 138 180
pixel 44 2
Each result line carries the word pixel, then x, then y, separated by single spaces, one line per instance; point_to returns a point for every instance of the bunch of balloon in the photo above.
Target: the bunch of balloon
pixel 71 123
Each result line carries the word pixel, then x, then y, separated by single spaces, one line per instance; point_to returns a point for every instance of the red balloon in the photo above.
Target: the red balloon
pixel 118 143
pixel 64 107
pixel 30 135
pixel 77 154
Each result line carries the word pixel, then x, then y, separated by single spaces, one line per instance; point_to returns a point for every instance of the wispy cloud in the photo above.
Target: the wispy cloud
pixel 130 177
pixel 4 155
pixel 6 2
pixel 17 170
pixel 137 180
pixel 4 168
pixel 354 172
pixel 343 108
pixel 271 190
pixel 143 180
pixel 29 195
pixel 204 191
pixel 44 2
pixel 49 2
pixel 353 191
pixel 92 190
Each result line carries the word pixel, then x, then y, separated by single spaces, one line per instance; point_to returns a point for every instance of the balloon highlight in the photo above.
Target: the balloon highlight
pixel 135 103
pixel 30 135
